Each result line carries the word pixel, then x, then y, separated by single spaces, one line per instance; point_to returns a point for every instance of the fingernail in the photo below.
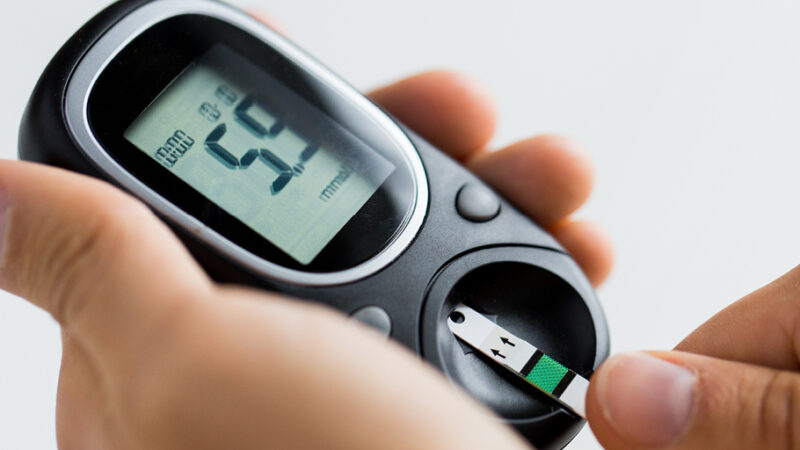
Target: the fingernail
pixel 647 400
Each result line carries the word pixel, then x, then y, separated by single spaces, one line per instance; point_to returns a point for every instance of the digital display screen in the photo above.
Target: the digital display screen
pixel 259 151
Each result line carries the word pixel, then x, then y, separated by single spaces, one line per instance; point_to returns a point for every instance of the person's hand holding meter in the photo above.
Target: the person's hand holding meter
pixel 158 356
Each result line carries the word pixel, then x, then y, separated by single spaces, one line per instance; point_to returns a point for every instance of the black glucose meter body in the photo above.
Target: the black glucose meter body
pixel 277 174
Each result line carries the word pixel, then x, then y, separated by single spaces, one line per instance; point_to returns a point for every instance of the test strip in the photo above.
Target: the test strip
pixel 520 357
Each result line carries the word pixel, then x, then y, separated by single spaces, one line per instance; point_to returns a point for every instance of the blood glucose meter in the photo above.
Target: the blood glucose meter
pixel 277 174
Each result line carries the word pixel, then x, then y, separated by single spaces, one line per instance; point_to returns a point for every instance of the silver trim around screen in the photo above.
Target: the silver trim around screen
pixel 131 26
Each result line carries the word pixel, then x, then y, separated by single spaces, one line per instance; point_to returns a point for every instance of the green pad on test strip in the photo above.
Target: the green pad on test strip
pixel 546 374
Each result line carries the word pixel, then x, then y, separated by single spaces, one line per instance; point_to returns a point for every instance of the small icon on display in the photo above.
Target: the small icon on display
pixel 210 112
pixel 226 94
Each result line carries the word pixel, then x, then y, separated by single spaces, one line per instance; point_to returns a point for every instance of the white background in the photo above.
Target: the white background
pixel 690 110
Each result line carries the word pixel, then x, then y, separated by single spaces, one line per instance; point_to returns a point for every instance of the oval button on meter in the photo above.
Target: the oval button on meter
pixel 375 317
pixel 477 203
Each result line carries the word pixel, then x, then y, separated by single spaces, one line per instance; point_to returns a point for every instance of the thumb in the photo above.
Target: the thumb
pixel 96 259
pixel 684 401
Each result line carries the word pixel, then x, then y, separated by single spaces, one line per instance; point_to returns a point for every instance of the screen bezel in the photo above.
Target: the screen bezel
pixel 169 46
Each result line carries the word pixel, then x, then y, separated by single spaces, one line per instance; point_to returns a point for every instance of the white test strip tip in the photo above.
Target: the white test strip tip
pixel 521 357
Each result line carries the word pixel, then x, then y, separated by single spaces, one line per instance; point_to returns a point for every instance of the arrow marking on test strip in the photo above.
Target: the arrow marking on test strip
pixel 526 361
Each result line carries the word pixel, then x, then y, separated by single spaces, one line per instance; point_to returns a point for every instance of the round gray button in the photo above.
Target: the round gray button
pixel 477 203
pixel 375 317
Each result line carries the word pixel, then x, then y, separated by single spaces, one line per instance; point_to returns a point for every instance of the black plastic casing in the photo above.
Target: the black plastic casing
pixel 507 268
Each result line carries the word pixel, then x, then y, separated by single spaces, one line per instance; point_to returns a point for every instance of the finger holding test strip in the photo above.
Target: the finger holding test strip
pixel 520 357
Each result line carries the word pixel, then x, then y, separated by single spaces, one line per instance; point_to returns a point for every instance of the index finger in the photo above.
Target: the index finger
pixel 762 328
pixel 451 111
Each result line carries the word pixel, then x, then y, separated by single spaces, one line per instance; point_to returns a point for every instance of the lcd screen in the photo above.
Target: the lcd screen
pixel 260 152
